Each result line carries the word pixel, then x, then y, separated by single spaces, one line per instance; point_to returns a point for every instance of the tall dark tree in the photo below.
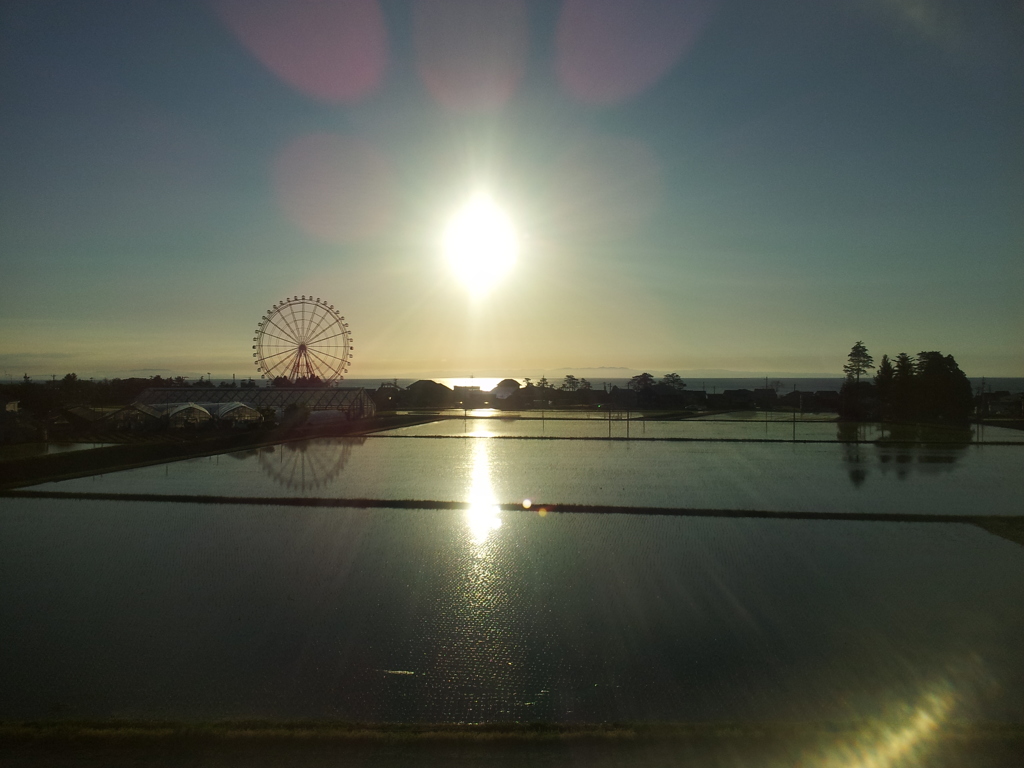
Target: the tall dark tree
pixel 673 380
pixel 570 383
pixel 942 391
pixel 641 382
pixel 883 385
pixel 902 395
pixel 905 367
pixel 859 362
pixel 854 396
pixel 643 385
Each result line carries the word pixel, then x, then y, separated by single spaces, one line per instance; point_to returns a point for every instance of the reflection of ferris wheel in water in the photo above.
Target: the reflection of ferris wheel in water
pixel 303 338
pixel 303 465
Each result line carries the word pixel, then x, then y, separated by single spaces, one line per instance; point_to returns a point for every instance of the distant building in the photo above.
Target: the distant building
pixel 429 394
pixel 798 399
pixel 505 389
pixel 738 398
pixel 81 416
pixel 469 397
pixel 716 402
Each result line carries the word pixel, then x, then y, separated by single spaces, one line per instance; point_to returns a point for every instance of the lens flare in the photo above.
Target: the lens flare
pixel 336 52
pixel 901 739
pixel 609 51
pixel 471 54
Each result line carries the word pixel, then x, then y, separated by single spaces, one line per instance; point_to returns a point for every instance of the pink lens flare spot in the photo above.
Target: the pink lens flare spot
pixel 333 51
pixel 608 51
pixel 336 188
pixel 471 54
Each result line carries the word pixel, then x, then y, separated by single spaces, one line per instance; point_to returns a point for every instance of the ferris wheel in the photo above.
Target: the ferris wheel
pixel 304 466
pixel 302 338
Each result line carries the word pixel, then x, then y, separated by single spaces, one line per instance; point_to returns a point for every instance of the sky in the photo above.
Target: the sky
pixel 694 185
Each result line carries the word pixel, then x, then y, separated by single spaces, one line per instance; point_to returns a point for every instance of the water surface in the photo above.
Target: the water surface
pixel 801 477
pixel 128 609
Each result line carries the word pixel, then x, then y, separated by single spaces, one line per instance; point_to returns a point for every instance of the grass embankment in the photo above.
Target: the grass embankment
pixel 21 472
pixel 772 745
pixel 1004 423
pixel 534 508
pixel 326 730
pixel 1005 526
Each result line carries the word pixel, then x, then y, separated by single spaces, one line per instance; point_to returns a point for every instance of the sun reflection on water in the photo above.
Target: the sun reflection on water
pixel 484 650
pixel 483 517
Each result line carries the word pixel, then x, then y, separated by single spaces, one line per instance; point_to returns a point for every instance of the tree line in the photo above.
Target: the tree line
pixel 928 387
pixel 642 391
pixel 40 397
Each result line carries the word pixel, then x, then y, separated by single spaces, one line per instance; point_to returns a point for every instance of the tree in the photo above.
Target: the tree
pixel 885 373
pixel 905 368
pixel 72 389
pixel 853 394
pixel 543 382
pixel 585 385
pixel 884 384
pixel 859 362
pixel 902 395
pixel 571 383
pixel 673 380
pixel 942 391
pixel 641 382
pixel 644 386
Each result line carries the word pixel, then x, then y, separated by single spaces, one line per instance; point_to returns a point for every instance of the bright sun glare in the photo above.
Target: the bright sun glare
pixel 481 244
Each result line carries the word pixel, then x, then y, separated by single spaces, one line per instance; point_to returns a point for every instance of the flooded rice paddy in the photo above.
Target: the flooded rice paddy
pixel 898 478
pixel 198 611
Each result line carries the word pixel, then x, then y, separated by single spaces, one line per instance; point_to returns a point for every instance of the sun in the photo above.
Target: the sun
pixel 480 244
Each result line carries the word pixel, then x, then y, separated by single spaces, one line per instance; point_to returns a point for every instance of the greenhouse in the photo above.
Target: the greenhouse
pixel 187 415
pixel 133 418
pixel 238 414
pixel 353 402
